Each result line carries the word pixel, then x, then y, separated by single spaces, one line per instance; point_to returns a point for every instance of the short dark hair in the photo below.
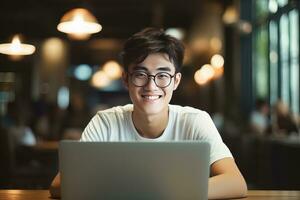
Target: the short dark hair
pixel 148 41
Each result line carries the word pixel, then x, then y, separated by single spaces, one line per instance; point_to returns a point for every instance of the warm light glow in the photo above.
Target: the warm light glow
pixel 53 50
pixel 218 72
pixel 79 23
pixel 230 16
pixel 16 48
pixel 204 74
pixel 217 61
pixel 16 43
pixel 199 78
pixel 14 192
pixel 112 69
pixel 245 27
pixel 215 44
pixel 208 71
pixel 100 80
pixel 199 45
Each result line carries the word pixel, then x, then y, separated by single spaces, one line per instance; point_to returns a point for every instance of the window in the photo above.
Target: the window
pixel 261 8
pixel 294 49
pixel 273 57
pixel 275 52
pixel 260 72
pixel 284 57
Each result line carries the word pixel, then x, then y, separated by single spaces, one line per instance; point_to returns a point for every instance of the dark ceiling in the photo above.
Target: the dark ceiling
pixel 37 19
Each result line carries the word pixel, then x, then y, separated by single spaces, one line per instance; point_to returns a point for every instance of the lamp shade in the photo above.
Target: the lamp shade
pixel 79 23
pixel 16 48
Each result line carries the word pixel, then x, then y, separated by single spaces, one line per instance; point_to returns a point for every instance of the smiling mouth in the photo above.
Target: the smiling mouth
pixel 151 97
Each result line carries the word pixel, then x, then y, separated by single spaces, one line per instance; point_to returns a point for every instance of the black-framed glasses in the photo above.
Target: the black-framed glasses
pixel 161 79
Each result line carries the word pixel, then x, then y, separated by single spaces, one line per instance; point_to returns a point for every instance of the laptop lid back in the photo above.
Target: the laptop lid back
pixel 134 170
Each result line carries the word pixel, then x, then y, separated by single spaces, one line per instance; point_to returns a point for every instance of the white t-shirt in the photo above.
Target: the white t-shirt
pixel 185 123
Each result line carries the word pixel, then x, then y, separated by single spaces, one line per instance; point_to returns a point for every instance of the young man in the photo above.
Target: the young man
pixel 152 62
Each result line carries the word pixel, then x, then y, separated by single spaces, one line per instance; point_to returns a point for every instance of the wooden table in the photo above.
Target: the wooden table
pixel 252 195
pixel 46 146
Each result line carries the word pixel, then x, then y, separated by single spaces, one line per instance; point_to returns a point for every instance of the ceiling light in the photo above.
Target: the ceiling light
pixel 16 48
pixel 79 24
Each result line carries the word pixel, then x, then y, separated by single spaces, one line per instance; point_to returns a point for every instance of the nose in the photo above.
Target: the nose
pixel 151 83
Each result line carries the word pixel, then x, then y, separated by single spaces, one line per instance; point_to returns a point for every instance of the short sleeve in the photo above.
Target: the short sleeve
pixel 207 131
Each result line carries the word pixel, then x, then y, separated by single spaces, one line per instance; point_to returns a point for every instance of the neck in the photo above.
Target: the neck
pixel 150 126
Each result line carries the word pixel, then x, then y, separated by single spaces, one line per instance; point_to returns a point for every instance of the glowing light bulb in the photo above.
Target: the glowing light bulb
pixel 16 48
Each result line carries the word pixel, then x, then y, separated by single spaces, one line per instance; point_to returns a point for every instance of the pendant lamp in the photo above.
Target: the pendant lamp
pixel 79 24
pixel 16 48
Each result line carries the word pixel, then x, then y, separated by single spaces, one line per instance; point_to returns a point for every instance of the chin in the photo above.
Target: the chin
pixel 152 109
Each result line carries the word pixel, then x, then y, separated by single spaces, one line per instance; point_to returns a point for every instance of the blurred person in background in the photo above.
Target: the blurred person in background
pixel 40 123
pixel 17 125
pixel 284 123
pixel 19 135
pixel 259 119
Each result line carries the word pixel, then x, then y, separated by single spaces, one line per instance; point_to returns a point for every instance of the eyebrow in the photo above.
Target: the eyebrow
pixel 138 67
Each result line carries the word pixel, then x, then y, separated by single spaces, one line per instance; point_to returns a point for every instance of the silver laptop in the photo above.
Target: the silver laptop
pixel 134 170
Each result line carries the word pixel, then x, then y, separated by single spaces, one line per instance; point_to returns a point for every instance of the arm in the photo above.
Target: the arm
pixel 55 187
pixel 226 181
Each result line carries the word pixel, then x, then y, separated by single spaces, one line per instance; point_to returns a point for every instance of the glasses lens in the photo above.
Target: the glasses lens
pixel 162 79
pixel 139 78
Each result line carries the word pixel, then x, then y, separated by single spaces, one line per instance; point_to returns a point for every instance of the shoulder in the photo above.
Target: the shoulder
pixel 188 112
pixel 195 120
pixel 112 116
pixel 118 110
pixel 107 122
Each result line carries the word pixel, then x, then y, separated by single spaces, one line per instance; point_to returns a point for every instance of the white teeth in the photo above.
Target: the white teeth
pixel 151 97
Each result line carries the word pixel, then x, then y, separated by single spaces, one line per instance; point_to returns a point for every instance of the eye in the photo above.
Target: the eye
pixel 163 76
pixel 140 75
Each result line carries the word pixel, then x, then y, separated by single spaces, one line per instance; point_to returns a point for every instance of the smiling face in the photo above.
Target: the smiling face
pixel 150 99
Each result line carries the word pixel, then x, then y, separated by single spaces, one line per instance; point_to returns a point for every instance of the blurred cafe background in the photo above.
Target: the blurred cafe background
pixel 241 66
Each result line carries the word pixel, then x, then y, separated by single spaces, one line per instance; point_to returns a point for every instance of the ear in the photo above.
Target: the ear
pixel 125 79
pixel 177 80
